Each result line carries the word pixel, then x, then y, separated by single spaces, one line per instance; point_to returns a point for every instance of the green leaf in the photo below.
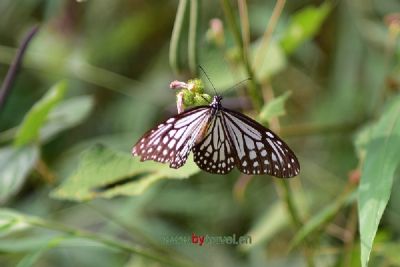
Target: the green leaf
pixel 382 159
pixel 15 165
pixel 107 173
pixel 362 139
pixel 274 108
pixel 30 128
pixel 67 114
pixel 304 25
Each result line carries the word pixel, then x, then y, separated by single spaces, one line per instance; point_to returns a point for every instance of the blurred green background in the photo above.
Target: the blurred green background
pixel 96 77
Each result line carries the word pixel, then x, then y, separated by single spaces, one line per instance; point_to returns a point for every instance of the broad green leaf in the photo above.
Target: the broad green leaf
pixel 321 218
pixel 107 173
pixel 304 25
pixel 65 115
pixel 382 159
pixel 274 108
pixel 378 170
pixel 362 139
pixel 15 164
pixel 30 128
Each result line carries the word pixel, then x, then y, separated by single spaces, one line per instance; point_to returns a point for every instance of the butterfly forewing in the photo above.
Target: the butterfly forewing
pixel 257 149
pixel 172 140
pixel 220 139
pixel 214 153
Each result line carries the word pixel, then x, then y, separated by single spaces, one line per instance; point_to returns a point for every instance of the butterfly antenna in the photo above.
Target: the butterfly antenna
pixel 208 78
pixel 239 83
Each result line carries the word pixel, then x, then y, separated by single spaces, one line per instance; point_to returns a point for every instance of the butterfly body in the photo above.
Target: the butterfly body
pixel 220 139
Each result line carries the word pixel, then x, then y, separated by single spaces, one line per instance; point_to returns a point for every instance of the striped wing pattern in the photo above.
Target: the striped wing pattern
pixel 258 150
pixel 172 140
pixel 214 153
pixel 220 139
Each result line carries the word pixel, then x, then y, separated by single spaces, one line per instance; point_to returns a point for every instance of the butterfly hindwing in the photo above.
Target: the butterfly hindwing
pixel 172 140
pixel 258 150
pixel 214 153
pixel 220 139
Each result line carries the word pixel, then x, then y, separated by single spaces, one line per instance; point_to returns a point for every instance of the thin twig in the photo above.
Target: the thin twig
pixel 287 197
pixel 244 24
pixel 176 36
pixel 254 88
pixel 193 34
pixel 351 225
pixel 15 66
pixel 43 169
pixel 262 50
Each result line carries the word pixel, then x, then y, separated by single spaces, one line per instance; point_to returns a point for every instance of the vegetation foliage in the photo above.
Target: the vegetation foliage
pixel 95 76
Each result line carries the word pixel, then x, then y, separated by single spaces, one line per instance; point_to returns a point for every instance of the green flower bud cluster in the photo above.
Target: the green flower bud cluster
pixel 190 94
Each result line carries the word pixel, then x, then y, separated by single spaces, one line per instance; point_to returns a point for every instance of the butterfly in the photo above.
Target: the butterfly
pixel 220 139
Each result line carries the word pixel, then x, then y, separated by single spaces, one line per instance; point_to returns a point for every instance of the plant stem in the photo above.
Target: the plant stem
pixel 288 199
pixel 15 66
pixel 193 33
pixel 45 172
pixel 244 24
pixel 262 50
pixel 176 36
pixel 254 88
pixel 351 225
pixel 117 244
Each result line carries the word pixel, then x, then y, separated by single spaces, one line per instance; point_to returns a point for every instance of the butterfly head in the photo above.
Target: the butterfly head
pixel 216 103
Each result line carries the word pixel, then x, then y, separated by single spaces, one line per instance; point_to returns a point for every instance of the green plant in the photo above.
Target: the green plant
pixel 325 77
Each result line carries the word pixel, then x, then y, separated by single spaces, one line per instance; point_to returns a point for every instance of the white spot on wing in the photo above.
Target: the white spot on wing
pixel 165 139
pixel 171 143
pixel 270 135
